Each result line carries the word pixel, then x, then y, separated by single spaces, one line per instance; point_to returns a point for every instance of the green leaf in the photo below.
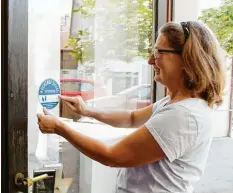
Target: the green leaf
pixel 220 20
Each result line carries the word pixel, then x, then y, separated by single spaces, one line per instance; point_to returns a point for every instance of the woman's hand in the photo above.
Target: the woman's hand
pixel 48 123
pixel 76 104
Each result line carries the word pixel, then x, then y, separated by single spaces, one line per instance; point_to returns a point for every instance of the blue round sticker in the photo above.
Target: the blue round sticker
pixel 48 93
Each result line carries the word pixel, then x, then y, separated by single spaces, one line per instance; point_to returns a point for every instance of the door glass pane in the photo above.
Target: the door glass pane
pixel 96 49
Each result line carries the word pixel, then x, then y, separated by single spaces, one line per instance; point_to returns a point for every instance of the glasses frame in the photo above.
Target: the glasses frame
pixel 161 51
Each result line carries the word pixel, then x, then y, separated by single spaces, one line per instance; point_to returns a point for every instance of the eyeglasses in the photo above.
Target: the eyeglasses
pixel 157 51
pixel 162 51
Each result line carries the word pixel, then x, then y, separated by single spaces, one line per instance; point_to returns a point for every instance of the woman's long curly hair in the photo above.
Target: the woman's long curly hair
pixel 203 72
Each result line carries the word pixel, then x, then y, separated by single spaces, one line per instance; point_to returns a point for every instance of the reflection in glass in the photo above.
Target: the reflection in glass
pixel 98 51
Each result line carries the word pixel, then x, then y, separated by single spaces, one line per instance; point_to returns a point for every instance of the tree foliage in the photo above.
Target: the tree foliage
pixel 126 24
pixel 220 20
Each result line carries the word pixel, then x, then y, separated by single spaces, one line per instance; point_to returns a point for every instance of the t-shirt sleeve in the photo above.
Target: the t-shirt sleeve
pixel 174 129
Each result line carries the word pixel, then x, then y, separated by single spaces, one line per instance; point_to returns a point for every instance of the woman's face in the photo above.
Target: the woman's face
pixel 167 63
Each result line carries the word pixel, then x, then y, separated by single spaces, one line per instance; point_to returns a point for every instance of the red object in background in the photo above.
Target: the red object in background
pixel 80 87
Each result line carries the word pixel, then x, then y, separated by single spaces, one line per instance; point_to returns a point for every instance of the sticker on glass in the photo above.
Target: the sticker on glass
pixel 48 93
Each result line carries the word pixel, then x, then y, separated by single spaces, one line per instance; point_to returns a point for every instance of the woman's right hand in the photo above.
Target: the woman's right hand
pixel 76 104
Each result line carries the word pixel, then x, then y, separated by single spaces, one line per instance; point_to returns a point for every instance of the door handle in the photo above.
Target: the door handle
pixel 20 180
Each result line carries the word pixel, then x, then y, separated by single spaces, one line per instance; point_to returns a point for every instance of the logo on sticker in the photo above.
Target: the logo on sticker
pixel 48 93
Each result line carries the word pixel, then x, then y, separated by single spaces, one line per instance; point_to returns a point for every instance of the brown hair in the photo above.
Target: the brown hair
pixel 203 73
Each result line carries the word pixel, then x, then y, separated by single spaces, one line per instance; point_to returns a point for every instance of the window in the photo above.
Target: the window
pixel 144 93
pixel 70 86
pixel 86 87
pixel 103 57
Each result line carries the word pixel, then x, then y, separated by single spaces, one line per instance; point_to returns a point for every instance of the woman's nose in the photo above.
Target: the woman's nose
pixel 151 60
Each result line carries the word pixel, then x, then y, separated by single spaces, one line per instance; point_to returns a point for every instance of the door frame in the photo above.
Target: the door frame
pixel 163 12
pixel 14 86
pixel 230 132
pixel 4 138
pixel 14 91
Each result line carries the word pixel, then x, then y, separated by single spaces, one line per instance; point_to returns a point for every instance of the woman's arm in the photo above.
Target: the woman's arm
pixel 125 119
pixel 139 148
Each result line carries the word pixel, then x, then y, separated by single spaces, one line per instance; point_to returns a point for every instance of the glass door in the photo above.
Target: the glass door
pixel 96 49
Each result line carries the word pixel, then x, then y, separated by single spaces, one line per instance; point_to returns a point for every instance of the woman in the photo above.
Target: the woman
pixel 168 151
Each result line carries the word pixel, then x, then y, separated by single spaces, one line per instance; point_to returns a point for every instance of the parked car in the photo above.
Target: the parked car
pixel 140 94
pixel 135 97
pixel 87 89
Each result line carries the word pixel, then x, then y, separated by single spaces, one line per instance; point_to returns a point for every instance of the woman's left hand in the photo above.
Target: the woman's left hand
pixel 48 123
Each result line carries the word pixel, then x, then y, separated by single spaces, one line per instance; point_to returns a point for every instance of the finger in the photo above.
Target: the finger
pixel 66 98
pixel 39 116
pixel 79 96
pixel 46 112
pixel 41 128
pixel 70 106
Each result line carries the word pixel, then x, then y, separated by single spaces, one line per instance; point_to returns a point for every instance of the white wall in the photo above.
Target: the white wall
pixel 104 178
pixel 43 63
pixel 186 10
pixel 221 116
pixel 95 177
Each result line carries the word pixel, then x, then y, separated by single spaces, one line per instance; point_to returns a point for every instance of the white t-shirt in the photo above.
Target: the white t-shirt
pixel 184 132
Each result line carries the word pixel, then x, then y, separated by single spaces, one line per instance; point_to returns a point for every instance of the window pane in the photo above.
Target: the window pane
pixel 70 86
pixel 87 87
pixel 102 57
